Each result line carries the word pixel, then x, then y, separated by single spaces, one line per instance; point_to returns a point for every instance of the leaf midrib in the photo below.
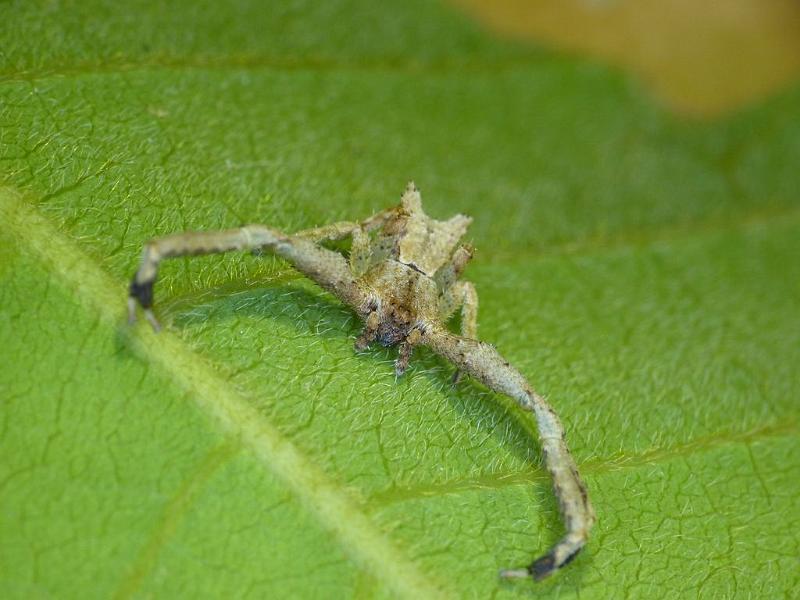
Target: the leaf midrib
pixel 331 505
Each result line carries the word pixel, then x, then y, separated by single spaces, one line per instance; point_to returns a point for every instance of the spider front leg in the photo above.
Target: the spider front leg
pixel 361 254
pixel 462 293
pixel 483 362
pixel 343 229
pixel 327 268
pixel 457 294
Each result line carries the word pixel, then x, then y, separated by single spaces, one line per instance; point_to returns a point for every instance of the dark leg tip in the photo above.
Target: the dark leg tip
pixel 546 565
pixel 143 292
pixel 542 567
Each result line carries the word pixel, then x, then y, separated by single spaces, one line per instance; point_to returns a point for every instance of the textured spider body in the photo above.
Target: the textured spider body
pixel 417 294
pixel 402 279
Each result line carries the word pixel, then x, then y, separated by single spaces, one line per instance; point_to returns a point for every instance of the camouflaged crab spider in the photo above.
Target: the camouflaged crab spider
pixel 402 280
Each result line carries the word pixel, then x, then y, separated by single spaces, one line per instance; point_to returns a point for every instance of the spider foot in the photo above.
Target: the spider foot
pixel 142 294
pixel 541 568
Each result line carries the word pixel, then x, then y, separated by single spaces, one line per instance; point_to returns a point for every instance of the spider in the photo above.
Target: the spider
pixel 402 280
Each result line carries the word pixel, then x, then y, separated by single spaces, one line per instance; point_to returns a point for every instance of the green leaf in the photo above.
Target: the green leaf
pixel 642 271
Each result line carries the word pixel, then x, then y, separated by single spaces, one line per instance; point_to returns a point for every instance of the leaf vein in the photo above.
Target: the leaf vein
pixel 646 237
pixel 597 467
pixel 257 63
pixel 172 514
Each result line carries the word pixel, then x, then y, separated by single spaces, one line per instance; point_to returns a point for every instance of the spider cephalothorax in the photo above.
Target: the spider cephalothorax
pixel 402 278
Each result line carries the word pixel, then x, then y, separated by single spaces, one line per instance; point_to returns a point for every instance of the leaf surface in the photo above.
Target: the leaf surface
pixel 643 272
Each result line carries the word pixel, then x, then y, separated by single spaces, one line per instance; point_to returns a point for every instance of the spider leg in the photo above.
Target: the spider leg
pixel 483 362
pixel 464 294
pixel 361 248
pixel 329 233
pixel 327 268
pixel 344 229
pixel 455 294
pixel 448 274
pixel 360 251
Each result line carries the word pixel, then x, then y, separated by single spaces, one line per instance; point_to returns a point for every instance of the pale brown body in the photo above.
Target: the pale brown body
pixel 402 279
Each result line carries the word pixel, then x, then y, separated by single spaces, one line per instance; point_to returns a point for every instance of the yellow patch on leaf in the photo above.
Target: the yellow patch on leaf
pixel 701 58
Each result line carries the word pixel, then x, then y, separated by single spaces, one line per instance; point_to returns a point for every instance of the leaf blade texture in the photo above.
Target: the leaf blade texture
pixel 640 270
